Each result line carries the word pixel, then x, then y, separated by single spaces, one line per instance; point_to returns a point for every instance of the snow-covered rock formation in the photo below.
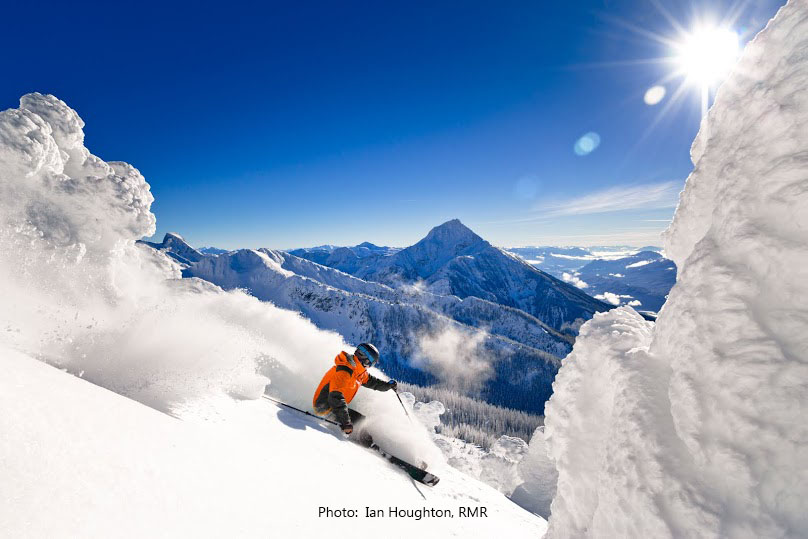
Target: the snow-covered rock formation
pixel 78 293
pixel 696 426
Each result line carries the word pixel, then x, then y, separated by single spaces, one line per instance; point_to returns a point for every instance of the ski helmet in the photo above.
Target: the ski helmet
pixel 367 354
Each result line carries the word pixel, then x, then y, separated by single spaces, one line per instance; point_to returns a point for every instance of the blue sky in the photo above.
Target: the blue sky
pixel 302 123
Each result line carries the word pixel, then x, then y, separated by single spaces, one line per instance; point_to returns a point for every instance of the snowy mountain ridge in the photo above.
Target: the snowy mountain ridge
pixel 347 259
pixel 453 260
pixel 644 288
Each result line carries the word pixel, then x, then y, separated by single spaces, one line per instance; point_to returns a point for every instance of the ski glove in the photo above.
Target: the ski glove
pixel 393 385
pixel 347 428
pixel 376 384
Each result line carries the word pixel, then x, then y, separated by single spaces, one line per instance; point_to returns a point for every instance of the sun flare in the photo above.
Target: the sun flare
pixel 707 55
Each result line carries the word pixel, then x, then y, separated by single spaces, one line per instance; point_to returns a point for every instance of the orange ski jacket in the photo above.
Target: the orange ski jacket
pixel 340 384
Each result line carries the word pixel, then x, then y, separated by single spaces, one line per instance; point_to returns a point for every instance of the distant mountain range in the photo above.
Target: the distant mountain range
pixel 642 280
pixel 346 259
pixel 451 281
pixel 522 319
pixel 212 251
pixel 554 260
pixel 640 277
pixel 644 287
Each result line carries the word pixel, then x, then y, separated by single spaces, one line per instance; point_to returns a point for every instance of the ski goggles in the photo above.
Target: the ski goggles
pixel 365 357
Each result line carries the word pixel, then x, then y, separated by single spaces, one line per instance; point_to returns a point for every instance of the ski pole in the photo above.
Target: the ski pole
pixel 402 406
pixel 267 397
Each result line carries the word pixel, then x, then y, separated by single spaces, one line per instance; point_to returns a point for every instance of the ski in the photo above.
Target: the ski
pixel 418 474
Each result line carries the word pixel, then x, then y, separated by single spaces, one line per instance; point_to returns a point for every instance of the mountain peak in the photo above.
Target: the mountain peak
pixel 176 247
pixel 172 236
pixel 453 233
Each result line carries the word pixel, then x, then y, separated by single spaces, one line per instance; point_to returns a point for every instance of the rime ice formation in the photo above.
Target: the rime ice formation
pixel 696 426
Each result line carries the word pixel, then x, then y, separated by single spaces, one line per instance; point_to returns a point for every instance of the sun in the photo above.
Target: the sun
pixel 698 56
pixel 706 55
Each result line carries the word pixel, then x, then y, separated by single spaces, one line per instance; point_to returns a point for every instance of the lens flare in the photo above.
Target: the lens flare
pixel 654 95
pixel 587 143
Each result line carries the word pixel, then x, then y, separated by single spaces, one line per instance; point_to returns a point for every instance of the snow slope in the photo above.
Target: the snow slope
pixel 696 426
pixel 85 462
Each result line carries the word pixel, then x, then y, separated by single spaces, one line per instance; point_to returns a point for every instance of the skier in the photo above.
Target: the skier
pixel 339 386
pixel 342 381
